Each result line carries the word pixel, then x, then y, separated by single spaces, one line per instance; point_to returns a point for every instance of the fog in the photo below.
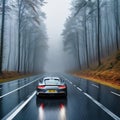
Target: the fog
pixel 56 12
pixel 89 35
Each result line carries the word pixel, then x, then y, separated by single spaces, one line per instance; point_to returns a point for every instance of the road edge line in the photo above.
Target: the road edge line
pixel 18 108
pixel 19 88
pixel 114 93
pixel 115 117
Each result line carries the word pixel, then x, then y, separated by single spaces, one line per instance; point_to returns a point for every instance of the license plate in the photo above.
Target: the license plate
pixel 52 91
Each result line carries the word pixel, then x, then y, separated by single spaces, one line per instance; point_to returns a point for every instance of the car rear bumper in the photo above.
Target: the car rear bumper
pixel 63 93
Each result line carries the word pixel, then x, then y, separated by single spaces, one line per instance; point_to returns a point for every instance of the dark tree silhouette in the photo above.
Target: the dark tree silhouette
pixel 2 35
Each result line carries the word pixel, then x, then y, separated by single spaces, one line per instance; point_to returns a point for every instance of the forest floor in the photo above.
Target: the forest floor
pixel 9 76
pixel 108 73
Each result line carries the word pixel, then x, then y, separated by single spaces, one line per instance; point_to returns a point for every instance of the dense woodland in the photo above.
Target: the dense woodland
pixel 92 31
pixel 23 35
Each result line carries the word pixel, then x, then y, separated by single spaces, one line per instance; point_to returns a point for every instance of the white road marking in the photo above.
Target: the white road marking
pixel 70 82
pixel 115 117
pixel 115 93
pixel 79 89
pixel 74 85
pixel 15 111
pixel 95 85
pixel 18 88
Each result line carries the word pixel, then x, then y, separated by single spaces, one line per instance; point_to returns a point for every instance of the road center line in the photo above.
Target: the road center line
pixel 79 89
pixel 18 88
pixel 95 85
pixel 115 93
pixel 15 111
pixel 74 85
pixel 70 82
pixel 115 117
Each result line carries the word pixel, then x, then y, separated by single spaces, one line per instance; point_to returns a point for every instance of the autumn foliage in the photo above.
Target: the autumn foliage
pixel 7 76
pixel 108 73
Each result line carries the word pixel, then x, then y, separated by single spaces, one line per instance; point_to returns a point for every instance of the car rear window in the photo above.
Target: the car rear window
pixel 52 82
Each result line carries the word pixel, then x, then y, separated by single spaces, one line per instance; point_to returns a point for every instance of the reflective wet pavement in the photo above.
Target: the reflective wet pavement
pixel 77 106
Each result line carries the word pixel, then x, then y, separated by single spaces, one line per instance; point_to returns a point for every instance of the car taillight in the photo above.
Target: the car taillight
pixel 62 86
pixel 41 86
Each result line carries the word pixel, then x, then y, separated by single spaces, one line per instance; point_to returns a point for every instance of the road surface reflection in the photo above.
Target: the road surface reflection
pixel 51 108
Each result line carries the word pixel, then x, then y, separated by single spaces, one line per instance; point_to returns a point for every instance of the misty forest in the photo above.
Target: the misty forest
pixel 91 33
pixel 23 35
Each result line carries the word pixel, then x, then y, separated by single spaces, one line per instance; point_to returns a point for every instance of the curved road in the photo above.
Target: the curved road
pixel 86 100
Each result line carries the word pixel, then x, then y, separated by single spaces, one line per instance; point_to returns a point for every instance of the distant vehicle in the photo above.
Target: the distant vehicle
pixel 52 86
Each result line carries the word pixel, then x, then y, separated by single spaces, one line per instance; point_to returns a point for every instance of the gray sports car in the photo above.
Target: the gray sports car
pixel 51 86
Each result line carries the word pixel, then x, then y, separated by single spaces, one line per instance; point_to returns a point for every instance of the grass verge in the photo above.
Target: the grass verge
pixel 107 74
pixel 10 76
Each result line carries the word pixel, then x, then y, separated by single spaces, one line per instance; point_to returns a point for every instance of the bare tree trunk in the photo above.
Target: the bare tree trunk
pixel 8 63
pixel 98 34
pixel 85 35
pixel 117 22
pixel 19 31
pixel 2 35
pixel 78 48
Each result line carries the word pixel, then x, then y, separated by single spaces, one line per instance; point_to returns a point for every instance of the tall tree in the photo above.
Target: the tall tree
pixel 98 33
pixel 116 9
pixel 2 35
pixel 20 11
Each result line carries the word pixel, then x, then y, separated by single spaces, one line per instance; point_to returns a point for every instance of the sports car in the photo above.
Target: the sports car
pixel 52 86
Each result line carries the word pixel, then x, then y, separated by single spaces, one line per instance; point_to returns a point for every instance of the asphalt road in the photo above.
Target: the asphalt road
pixel 86 100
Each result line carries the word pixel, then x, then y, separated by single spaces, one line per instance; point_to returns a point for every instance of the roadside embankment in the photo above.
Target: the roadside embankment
pixel 108 73
pixel 9 76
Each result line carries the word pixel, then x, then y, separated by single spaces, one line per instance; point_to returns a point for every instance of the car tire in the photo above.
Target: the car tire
pixel 65 95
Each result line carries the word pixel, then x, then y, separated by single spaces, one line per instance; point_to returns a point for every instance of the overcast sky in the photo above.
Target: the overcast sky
pixel 56 12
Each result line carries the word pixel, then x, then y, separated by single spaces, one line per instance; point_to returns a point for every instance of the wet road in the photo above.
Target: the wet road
pixel 86 100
